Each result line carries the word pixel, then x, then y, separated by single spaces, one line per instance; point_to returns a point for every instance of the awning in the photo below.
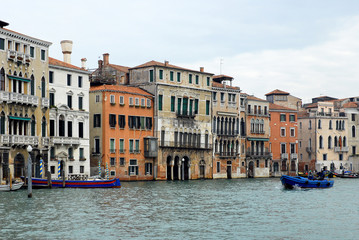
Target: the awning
pixel 19 78
pixel 258 139
pixel 19 118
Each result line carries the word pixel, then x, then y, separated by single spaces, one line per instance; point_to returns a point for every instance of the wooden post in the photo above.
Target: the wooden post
pixel 63 177
pixel 10 180
pixel 29 175
pixel 49 182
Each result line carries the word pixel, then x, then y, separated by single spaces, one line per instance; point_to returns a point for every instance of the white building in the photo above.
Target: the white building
pixel 69 117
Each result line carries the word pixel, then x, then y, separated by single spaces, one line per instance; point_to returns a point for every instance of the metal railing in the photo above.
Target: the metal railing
pixel 196 145
pixel 65 140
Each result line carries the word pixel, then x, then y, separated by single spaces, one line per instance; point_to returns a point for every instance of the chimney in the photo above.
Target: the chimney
pixel 66 46
pixel 166 63
pixel 83 63
pixel 201 69
pixel 106 59
pixel 99 64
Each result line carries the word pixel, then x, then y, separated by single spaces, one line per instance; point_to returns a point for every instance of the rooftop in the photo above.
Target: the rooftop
pixel 120 88
pixel 55 62
pixel 277 92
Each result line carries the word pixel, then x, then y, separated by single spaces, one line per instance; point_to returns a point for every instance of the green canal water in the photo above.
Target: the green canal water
pixel 201 209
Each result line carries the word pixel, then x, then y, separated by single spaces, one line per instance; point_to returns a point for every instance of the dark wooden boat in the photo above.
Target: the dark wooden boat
pixel 96 183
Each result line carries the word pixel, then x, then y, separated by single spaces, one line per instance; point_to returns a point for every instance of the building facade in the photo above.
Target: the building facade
pixel 69 118
pixel 24 102
pixel 226 132
pixel 122 132
pixel 283 140
pixel 182 116
pixel 257 137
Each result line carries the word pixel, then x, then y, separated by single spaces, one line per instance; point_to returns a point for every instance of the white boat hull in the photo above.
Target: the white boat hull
pixel 14 187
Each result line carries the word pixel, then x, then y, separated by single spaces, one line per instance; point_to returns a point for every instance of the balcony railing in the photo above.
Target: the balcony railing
pixel 293 156
pixel 18 98
pixel 284 156
pixel 341 149
pixel 173 144
pixel 257 113
pixel 226 154
pixel 65 140
pixel 259 154
pixel 309 149
pixel 11 54
pixel 19 140
pixel 27 58
pixel 258 131
pixel 96 151
pixel 184 114
pixel 227 133
pixel 45 141
pixel 45 102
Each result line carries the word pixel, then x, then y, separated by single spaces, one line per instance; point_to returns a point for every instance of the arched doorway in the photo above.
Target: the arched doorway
pixel 229 169
pixel 275 167
pixel 185 168
pixel 175 168
pixel 19 165
pixel 36 165
pixel 169 172
pixel 251 169
pixel 202 165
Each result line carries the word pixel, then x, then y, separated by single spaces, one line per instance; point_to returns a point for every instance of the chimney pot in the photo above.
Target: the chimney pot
pixel 106 59
pixel 201 69
pixel 66 46
pixel 100 64
pixel 166 63
pixel 83 63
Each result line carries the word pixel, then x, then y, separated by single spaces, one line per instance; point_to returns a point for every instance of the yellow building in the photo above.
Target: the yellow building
pixel 24 102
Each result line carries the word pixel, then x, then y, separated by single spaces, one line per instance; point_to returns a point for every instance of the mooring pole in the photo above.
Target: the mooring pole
pixel 29 173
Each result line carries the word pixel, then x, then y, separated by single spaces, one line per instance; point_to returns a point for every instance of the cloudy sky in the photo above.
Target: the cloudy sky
pixel 305 47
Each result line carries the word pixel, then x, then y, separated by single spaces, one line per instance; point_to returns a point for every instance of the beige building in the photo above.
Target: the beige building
pixel 226 132
pixel 322 137
pixel 24 108
pixel 182 118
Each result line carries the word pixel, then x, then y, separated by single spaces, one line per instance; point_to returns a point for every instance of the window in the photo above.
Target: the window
pixel 43 87
pixel 69 101
pixel 52 128
pixel 208 81
pixel 70 169
pixel 32 52
pixel 82 169
pixel 112 161
pixel 354 152
pixel 340 157
pixel 43 127
pixel 178 77
pixel 52 169
pixel 2 44
pixel 69 129
pixel 320 142
pixel 112 173
pixel 161 74
pixel 71 153
pixel 208 103
pixel 282 132
pixel 51 77
pixel 112 145
pixel 81 129
pixel 80 103
pixel 122 121
pixel 52 99
pixel 131 145
pixel 151 75
pixel 330 124
pixel 197 79
pixel 82 157
pixel 257 164
pixel 148 168
pixel 310 124
pixel 292 148
pixel 173 100
pixel 218 167
pixel 69 79
pixel 122 145
pixel 283 148
pixel 171 75
pixel 137 146
pixel 97 120
pixel 353 131
pixel 97 99
pixel 148 103
pixel 80 81
pixel 214 96
pixel 112 99
pixel 160 102
pixel 43 57
pixel 143 102
pixel 112 120
pixel 324 157
pixel 282 118
pixel 122 100
pixel 148 123
pixel 319 124
pixel 353 117
pixel 97 145
pixel 292 132
pixel 292 118
pixel 196 106
pixel 222 97
pixel 130 101
pixel 329 142
pixel 122 161
pixel 133 168
pixel 137 102
pixel 190 78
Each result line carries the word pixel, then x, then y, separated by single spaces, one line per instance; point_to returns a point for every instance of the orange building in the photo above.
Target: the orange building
pixel 122 132
pixel 283 140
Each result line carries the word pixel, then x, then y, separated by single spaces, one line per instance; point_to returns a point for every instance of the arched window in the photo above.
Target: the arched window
pixel 33 125
pixel 43 127
pixel 330 124
pixel 257 126
pixel 43 87
pixel 329 142
pixel 344 141
pixel 237 125
pixel 61 126
pixel 252 125
pixel 319 124
pixel 2 80
pixel 343 124
pixel 336 125
pixel 320 142
pixel 216 147
pixel 2 123
pixel 262 126
pixel 353 131
pixel 214 125
pixel 32 85
pixel 310 124
pixel 218 124
pixel 335 141
pixel 242 127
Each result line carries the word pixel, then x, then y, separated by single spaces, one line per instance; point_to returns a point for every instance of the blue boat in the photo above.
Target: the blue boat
pixel 297 181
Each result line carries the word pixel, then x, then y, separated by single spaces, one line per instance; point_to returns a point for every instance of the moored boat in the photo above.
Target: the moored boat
pixel 15 186
pixel 96 183
pixel 297 181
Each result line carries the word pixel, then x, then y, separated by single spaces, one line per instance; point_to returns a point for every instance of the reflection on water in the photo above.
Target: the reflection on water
pixel 203 209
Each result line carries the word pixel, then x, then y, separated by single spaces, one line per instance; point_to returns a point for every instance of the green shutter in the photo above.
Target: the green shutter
pixel 190 106
pixel 207 107
pixel 179 103
pixel 185 106
pixel 121 145
pixel 2 44
pixel 197 79
pixel 178 77
pixel 160 102
pixel 196 106
pixel 161 74
pixel 151 75
pixel 208 81
pixel 171 76
pixel 190 79
pixel 137 145
pixel 173 100
pixel 131 145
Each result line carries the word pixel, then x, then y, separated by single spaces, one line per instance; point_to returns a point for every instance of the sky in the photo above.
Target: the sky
pixel 304 47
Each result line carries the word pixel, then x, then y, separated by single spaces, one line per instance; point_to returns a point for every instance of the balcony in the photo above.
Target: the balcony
pixel 226 154
pixel 96 152
pixel 45 141
pixel 21 140
pixel 11 55
pixel 20 57
pixel 293 156
pixel 65 141
pixel 45 103
pixel 257 113
pixel 341 149
pixel 258 132
pixel 259 154
pixel 27 58
pixel 12 97
pixel 284 156
pixel 185 114
pixel 4 96
pixel 172 144
pixel 227 133
pixel 309 149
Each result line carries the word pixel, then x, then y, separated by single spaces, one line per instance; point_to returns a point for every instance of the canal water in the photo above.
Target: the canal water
pixel 200 209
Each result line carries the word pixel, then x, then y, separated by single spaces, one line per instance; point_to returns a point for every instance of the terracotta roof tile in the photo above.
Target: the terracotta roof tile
pixel 119 68
pixel 222 76
pixel 134 90
pixel 350 105
pixel 250 97
pixel 55 62
pixel 273 106
pixel 277 92
pixel 220 85
pixel 302 114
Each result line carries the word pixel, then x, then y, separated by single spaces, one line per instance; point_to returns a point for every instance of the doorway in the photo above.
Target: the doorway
pixel 251 169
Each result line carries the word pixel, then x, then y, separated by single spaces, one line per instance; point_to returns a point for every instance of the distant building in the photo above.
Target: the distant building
pixel 24 98
pixel 257 135
pixel 284 99
pixel 122 128
pixel 283 140
pixel 69 117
